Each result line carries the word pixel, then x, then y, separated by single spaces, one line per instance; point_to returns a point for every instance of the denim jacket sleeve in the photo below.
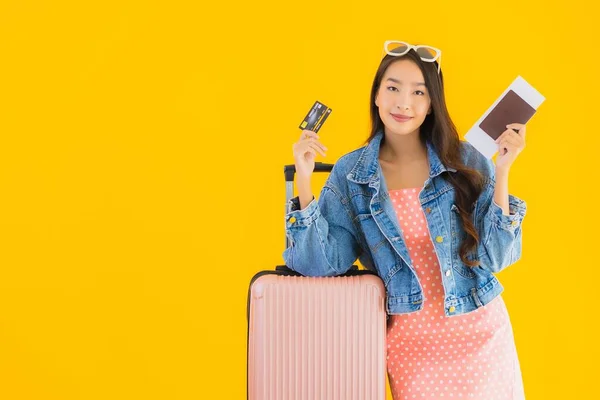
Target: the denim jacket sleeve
pixel 500 241
pixel 323 236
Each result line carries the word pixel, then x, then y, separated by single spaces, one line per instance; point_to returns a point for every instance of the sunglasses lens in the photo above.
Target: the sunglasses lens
pixel 396 48
pixel 426 53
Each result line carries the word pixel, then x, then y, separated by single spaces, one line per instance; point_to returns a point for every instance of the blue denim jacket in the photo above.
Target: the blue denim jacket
pixel 354 218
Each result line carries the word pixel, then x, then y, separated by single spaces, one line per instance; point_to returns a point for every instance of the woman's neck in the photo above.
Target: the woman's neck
pixel 400 149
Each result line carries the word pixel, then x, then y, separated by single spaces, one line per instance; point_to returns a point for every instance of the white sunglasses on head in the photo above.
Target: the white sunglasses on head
pixel 427 53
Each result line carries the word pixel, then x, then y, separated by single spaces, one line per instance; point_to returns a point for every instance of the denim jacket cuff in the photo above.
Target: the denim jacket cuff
pixel 517 209
pixel 297 218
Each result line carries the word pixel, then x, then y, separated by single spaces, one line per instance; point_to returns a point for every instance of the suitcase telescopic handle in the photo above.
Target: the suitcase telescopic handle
pixel 290 171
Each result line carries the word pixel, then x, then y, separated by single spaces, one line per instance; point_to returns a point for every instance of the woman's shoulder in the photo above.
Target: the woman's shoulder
pixel 344 166
pixel 346 162
pixel 350 159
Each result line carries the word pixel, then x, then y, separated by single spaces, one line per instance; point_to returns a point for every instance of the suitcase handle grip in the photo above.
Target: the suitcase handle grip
pixel 290 170
pixel 288 270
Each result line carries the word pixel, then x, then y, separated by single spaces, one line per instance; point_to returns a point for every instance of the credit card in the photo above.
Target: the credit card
pixel 316 117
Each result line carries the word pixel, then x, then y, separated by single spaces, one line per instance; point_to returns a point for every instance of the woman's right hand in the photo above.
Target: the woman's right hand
pixel 305 151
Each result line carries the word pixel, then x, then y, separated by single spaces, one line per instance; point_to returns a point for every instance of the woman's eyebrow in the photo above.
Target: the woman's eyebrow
pixel 400 82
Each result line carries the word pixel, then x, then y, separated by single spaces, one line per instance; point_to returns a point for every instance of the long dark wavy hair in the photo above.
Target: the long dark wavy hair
pixel 440 131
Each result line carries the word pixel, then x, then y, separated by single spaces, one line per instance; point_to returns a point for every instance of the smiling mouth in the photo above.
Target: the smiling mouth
pixel 401 118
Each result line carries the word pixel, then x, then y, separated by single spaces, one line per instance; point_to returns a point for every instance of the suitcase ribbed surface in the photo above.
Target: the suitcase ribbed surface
pixel 317 338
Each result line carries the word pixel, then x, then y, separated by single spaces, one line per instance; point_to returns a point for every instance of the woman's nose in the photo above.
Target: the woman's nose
pixel 403 106
pixel 403 101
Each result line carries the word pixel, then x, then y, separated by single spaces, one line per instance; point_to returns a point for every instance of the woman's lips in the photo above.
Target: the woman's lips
pixel 401 118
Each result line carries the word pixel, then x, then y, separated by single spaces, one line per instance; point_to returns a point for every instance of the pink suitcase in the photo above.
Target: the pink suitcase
pixel 316 338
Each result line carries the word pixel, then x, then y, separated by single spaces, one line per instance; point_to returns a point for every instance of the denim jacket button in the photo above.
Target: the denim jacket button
pixel 439 239
pixel 428 210
pixel 448 272
pixel 452 309
pixel 514 223
pixel 292 220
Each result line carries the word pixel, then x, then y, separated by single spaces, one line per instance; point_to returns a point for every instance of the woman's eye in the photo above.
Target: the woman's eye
pixel 391 87
pixel 420 91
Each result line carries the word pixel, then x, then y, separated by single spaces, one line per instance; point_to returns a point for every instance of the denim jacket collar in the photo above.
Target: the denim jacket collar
pixel 365 169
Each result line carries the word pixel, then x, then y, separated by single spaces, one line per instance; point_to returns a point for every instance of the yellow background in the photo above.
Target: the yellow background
pixel 141 185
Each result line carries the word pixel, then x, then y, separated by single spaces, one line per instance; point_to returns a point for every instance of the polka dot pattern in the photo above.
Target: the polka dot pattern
pixel 431 356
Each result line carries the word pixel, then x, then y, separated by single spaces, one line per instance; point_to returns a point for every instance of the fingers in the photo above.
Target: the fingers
pixel 311 143
pixel 316 147
pixel 519 127
pixel 510 142
pixel 309 154
pixel 510 134
pixel 509 139
pixel 309 139
pixel 308 134
pixel 516 126
pixel 309 146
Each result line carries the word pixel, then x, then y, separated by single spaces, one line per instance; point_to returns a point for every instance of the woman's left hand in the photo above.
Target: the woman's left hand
pixel 510 144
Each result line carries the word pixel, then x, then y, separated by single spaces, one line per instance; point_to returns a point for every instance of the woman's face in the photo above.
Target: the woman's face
pixel 402 94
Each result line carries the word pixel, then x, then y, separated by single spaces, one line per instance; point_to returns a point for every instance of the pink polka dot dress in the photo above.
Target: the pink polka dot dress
pixel 432 356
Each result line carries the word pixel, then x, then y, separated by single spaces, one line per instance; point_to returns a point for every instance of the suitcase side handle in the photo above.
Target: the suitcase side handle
pixel 286 269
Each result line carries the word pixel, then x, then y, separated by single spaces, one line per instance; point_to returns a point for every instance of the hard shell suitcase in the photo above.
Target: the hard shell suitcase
pixel 316 338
